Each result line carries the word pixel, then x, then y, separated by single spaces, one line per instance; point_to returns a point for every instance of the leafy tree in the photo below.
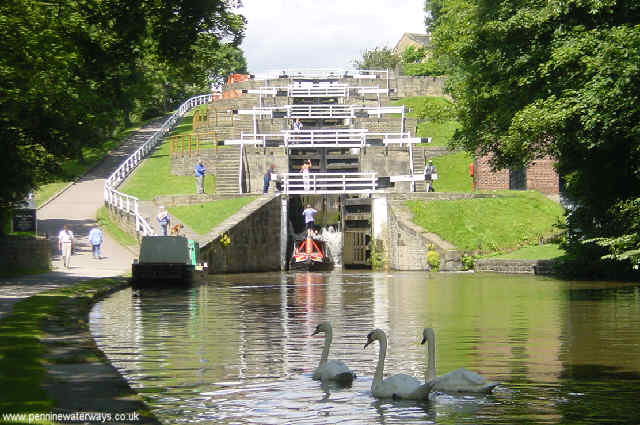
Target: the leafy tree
pixel 561 78
pixel 418 61
pixel 72 71
pixel 433 8
pixel 378 58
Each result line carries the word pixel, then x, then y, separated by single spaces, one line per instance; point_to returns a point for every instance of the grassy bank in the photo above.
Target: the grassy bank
pixel 453 173
pixel 24 355
pixel 153 177
pixel 123 238
pixel 536 252
pixel 202 218
pixel 440 130
pixel 487 225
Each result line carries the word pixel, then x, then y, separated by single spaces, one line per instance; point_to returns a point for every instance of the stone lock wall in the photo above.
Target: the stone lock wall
pixel 255 243
pixel 18 254
pixel 485 179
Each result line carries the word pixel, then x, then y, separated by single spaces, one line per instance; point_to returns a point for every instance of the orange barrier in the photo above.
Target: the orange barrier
pixel 237 78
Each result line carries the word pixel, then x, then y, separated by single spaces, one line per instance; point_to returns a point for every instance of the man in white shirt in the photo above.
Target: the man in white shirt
pixel 65 245
pixel 309 218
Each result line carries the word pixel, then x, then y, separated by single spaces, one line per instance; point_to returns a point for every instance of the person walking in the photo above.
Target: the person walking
pixel 65 245
pixel 309 218
pixel 95 237
pixel 267 178
pixel 429 171
pixel 199 174
pixel 164 220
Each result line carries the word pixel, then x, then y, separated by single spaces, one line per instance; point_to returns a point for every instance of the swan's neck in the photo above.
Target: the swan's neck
pixel 328 336
pixel 431 354
pixel 377 378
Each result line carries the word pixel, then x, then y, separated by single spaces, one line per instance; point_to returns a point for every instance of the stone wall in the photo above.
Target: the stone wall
pixel 406 86
pixel 256 162
pixel 541 267
pixel 183 165
pixel 19 254
pixel 409 242
pixel 126 222
pixel 255 241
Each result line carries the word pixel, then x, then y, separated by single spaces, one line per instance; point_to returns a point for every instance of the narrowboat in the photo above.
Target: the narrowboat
pixel 167 260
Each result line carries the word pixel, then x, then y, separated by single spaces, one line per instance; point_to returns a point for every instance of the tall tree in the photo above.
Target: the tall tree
pixel 562 78
pixel 72 70
pixel 378 58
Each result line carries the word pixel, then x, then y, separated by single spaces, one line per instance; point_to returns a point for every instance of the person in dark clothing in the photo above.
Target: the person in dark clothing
pixel 267 179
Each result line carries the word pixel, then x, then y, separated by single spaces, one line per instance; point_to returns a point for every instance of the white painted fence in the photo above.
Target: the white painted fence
pixel 324 183
pixel 129 204
pixel 332 111
pixel 347 138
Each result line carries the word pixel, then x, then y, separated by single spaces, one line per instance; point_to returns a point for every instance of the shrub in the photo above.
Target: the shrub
pixel 433 259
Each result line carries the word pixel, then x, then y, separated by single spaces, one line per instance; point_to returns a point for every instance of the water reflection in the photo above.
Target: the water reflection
pixel 239 350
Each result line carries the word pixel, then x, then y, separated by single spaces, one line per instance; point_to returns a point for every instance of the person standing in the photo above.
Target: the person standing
pixel 199 173
pixel 267 178
pixel 309 218
pixel 429 170
pixel 65 245
pixel 297 125
pixel 95 237
pixel 305 169
pixel 164 220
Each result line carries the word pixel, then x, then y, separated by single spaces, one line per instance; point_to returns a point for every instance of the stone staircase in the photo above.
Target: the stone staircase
pixel 419 162
pixel 227 168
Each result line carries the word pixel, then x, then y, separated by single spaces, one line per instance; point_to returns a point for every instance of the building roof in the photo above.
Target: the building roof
pixel 413 39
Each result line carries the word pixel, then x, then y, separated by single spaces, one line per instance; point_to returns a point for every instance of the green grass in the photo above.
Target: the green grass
pixel 534 252
pixel 45 192
pixel 440 132
pixel 74 168
pixel 487 225
pixel 453 173
pixel 123 238
pixel 22 353
pixel 204 217
pixel 153 177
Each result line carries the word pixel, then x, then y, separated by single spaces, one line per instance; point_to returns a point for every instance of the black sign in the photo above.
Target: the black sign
pixel 24 220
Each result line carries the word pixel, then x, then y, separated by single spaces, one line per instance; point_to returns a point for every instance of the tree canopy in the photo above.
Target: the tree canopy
pixel 554 77
pixel 71 71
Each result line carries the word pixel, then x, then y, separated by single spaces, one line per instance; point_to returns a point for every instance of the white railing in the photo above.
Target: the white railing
pixel 325 138
pixel 324 73
pixel 321 111
pixel 129 204
pixel 319 91
pixel 309 183
pixel 348 138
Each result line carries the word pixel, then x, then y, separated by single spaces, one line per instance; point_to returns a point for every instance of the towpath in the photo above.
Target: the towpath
pixel 76 207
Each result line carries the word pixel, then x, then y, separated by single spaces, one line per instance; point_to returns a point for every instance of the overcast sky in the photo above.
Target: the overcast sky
pixel 323 33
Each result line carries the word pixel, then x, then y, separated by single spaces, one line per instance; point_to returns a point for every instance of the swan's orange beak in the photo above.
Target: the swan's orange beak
pixel 368 342
pixel 423 340
pixel 316 332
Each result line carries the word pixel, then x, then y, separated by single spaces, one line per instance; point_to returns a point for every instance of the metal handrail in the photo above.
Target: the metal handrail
pixel 129 204
pixel 308 183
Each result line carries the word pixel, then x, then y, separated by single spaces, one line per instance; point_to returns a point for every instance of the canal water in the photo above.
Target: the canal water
pixel 239 350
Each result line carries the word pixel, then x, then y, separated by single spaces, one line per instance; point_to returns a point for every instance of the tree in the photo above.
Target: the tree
pixel 72 71
pixel 433 9
pixel 418 61
pixel 378 58
pixel 561 78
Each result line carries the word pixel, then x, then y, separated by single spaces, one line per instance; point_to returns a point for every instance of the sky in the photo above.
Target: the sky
pixel 323 33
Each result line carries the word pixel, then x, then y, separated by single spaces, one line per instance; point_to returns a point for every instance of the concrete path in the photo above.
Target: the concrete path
pixel 76 207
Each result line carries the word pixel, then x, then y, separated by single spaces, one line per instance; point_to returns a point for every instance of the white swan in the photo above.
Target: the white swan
pixel 457 381
pixel 400 386
pixel 331 370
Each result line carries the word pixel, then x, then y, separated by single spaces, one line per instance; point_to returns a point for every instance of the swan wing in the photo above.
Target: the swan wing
pixel 333 370
pixel 463 380
pixel 400 386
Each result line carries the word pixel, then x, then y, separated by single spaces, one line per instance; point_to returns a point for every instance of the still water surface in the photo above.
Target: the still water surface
pixel 239 349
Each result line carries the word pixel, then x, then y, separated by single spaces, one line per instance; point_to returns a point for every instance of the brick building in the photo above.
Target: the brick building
pixel 540 176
